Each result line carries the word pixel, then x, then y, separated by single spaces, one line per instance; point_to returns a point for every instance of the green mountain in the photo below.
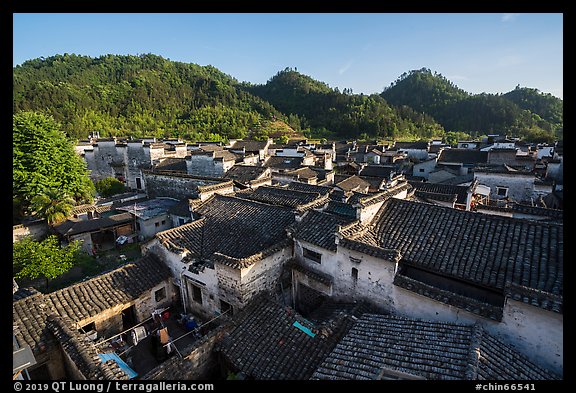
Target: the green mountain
pixel 144 95
pixel 148 95
pixel 331 113
pixel 525 113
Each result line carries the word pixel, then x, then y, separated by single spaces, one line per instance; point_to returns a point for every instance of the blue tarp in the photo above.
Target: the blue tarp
pixel 303 328
pixel 112 356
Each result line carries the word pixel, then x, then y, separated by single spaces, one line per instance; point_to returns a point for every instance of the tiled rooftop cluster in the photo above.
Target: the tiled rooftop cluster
pixel 490 251
pixel 233 227
pixel 85 299
pixel 265 344
pixel 435 191
pixel 82 354
pixel 319 228
pixel 384 347
pixel 280 196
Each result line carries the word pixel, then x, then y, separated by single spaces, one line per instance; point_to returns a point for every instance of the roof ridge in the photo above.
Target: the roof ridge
pixel 474 354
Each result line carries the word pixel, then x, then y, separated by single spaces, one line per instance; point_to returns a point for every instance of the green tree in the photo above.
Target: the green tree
pixel 44 159
pixel 109 186
pixel 34 259
pixel 53 205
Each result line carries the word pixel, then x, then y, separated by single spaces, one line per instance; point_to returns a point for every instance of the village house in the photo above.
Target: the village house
pixel 248 176
pixel 386 347
pixel 463 160
pixel 248 147
pixel 58 327
pixel 98 234
pixel 422 169
pixel 150 216
pixel 458 197
pixel 413 150
pixel 442 264
pixel 214 163
pixel 510 184
pixel 179 185
pixel 236 249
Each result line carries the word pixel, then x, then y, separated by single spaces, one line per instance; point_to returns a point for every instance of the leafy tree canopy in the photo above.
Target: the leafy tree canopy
pixel 109 186
pixel 43 159
pixel 522 112
pixel 34 259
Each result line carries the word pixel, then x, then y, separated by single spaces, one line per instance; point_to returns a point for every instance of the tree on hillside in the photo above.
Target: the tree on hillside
pixel 53 205
pixel 109 186
pixel 34 259
pixel 43 160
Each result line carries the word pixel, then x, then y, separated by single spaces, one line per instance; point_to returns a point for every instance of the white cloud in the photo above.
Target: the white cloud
pixel 509 17
pixel 345 67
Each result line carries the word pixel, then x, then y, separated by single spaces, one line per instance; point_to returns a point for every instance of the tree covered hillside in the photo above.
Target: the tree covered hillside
pixel 138 96
pixel 526 113
pixel 313 104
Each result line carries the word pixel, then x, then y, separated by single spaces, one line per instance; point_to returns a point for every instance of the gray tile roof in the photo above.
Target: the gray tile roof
pixel 284 162
pixel 465 156
pixel 83 355
pixel 74 227
pixel 341 208
pixel 86 299
pixel 319 228
pixel 232 227
pixel 433 190
pixel 494 252
pixel 280 196
pixel 383 172
pixel 298 186
pixel 352 183
pixel 266 345
pixel 244 173
pixel 182 208
pixel 250 146
pixel 172 164
pixel 383 347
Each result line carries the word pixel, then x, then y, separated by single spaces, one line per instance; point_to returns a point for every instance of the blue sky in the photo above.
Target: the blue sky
pixel 479 52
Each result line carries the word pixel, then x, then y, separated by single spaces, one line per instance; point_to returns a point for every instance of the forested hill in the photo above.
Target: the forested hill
pixel 522 112
pixel 313 104
pixel 144 95
pixel 148 95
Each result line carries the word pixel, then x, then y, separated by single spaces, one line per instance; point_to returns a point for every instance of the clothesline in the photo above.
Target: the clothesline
pixel 133 327
pixel 196 328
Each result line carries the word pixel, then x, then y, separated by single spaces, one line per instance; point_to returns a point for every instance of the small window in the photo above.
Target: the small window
pixel 354 274
pixel 355 260
pixel 421 169
pixel 87 328
pixel 225 307
pixel 156 224
pixel 312 255
pixel 502 191
pixel 196 294
pixel 160 294
pixel 163 222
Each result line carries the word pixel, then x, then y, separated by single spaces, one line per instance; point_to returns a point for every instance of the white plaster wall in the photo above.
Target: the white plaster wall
pixel 263 275
pixel 537 333
pixel 427 166
pixel 368 213
pixel 520 188
pixel 374 282
pixel 328 265
pixel 148 227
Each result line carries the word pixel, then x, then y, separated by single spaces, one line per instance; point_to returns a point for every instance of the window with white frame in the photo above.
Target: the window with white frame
pixel 502 191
